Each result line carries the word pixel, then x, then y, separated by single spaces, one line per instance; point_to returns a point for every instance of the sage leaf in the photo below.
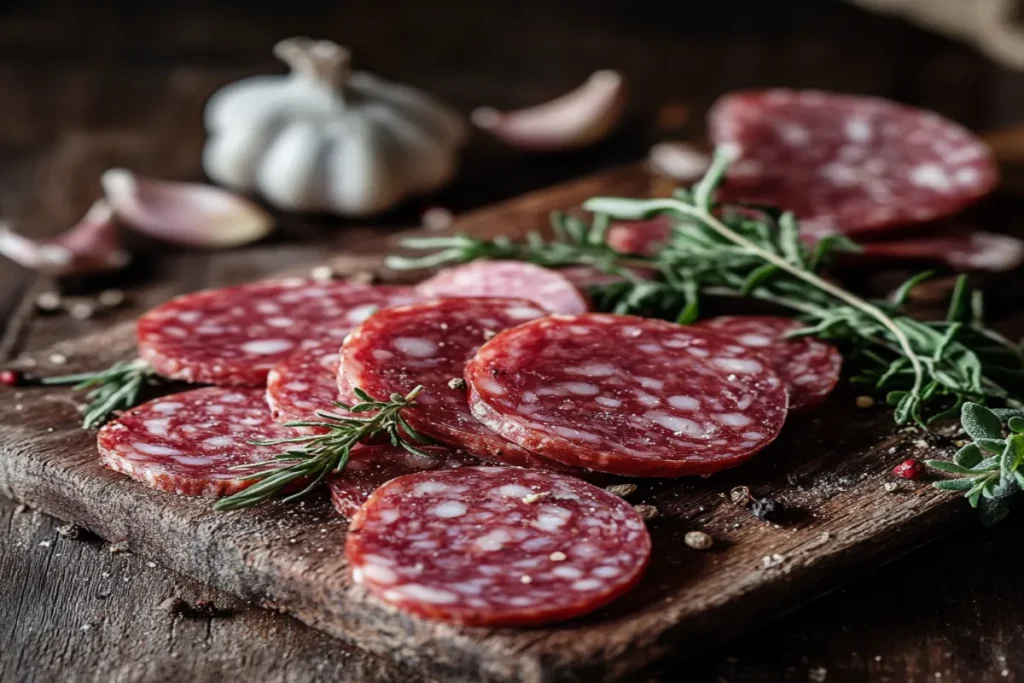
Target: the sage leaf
pixel 980 423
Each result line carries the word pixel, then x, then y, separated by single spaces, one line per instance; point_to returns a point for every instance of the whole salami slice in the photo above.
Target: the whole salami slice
pixel 848 163
pixel 235 335
pixel 491 546
pixel 305 382
pixel 428 344
pixel 627 395
pixel 370 467
pixel 809 367
pixel 547 288
pixel 187 443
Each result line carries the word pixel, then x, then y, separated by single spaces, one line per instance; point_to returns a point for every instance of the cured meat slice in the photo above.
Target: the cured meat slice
pixel 586 277
pixel 491 546
pixel 304 382
pixel 235 335
pixel 809 367
pixel 640 237
pixel 187 443
pixel 848 163
pixel 428 344
pixel 981 251
pixel 369 467
pixel 627 395
pixel 547 288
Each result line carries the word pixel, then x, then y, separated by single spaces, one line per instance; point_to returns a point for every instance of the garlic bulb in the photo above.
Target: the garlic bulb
pixel 324 138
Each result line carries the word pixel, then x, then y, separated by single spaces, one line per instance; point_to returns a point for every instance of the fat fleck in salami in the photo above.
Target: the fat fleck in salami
pixel 547 288
pixel 809 367
pixel 233 336
pixel 369 467
pixel 848 163
pixel 304 382
pixel 627 395
pixel 187 443
pixel 429 344
pixel 490 546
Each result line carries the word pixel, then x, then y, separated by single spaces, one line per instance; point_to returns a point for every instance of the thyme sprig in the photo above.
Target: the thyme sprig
pixel 315 456
pixel 988 468
pixel 927 370
pixel 114 388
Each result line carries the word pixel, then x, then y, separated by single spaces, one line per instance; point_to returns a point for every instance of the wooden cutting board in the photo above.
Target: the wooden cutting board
pixel 829 470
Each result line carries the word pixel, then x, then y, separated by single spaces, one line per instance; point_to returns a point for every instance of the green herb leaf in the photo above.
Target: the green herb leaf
pixel 968 456
pixel 980 423
pixel 321 454
pixel 116 388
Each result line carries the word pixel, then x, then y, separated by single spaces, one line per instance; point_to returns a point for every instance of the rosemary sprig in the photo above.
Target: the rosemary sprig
pixel 319 455
pixel 927 370
pixel 115 388
pixel 988 468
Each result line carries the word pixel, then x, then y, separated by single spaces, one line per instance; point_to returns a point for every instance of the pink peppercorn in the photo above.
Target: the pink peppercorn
pixel 909 469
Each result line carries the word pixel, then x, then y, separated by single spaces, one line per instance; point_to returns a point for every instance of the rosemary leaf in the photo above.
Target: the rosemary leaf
pixel 319 455
pixel 115 388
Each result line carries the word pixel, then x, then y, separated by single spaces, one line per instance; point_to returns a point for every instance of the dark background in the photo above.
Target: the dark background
pixel 88 85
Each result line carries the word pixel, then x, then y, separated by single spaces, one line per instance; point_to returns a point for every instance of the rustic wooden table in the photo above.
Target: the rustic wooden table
pixel 87 86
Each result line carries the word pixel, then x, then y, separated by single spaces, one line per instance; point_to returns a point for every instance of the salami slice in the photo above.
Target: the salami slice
pixel 627 395
pixel 547 288
pixel 187 443
pixel 491 546
pixel 640 237
pixel 370 467
pixel 848 163
pixel 809 367
pixel 586 277
pixel 304 382
pixel 234 336
pixel 428 344
pixel 966 251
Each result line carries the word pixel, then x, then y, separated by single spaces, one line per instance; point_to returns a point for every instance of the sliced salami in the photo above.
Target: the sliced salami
pixel 304 382
pixel 187 443
pixel 428 344
pixel 547 288
pixel 491 546
pixel 848 163
pixel 586 277
pixel 235 335
pixel 369 467
pixel 627 395
pixel 640 237
pixel 962 251
pixel 809 367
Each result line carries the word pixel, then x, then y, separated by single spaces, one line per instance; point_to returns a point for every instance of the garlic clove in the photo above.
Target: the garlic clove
pixel 574 120
pixel 91 246
pixel 678 160
pixel 191 214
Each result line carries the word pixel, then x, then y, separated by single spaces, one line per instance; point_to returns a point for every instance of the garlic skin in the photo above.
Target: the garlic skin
pixel 190 214
pixel 324 138
pixel 91 246
pixel 577 119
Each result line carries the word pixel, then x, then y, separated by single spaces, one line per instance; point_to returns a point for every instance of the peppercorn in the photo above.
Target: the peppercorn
pixel 909 469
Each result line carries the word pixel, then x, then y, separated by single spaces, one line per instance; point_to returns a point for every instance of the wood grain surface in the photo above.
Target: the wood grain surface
pixel 828 471
pixel 90 85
